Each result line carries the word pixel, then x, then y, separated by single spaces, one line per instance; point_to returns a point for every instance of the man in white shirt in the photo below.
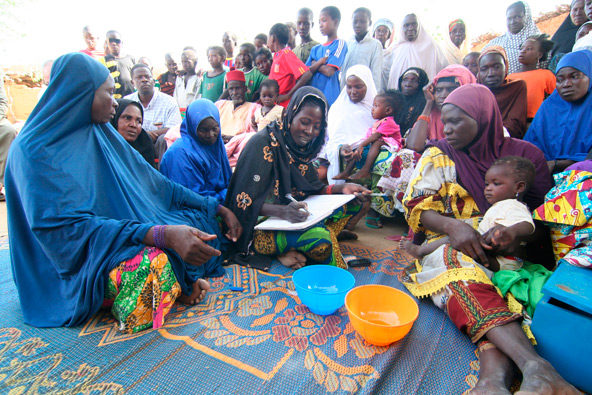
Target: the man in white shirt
pixel 161 111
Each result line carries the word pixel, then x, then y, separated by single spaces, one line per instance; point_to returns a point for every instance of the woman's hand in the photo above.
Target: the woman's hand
pixel 294 212
pixel 235 230
pixel 467 240
pixel 346 152
pixel 503 240
pixel 190 244
pixel 362 194
pixel 428 92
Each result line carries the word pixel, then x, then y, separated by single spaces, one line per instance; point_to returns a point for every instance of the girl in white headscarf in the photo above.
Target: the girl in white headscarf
pixel 520 27
pixel 415 48
pixel 349 118
pixel 383 32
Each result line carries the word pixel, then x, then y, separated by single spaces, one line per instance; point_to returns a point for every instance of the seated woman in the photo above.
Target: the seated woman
pixel 428 125
pixel 454 275
pixel 277 162
pixel 411 84
pixel 565 36
pixel 540 82
pixel 561 128
pixel 84 228
pixel 511 96
pixel 350 117
pixel 198 159
pixel 128 122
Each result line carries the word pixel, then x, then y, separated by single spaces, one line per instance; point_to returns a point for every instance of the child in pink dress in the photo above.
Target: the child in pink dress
pixel 385 131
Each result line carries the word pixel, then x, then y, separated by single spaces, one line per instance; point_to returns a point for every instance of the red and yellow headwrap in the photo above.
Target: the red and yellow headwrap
pixel 455 22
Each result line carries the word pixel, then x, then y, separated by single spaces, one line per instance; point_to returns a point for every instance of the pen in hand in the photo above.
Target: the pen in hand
pixel 290 197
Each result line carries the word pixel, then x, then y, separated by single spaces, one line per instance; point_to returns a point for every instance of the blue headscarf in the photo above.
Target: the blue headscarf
pixel 561 129
pixel 81 200
pixel 202 168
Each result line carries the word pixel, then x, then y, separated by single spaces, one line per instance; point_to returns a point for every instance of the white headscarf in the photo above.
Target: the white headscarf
pixel 387 59
pixel 424 53
pixel 455 55
pixel 348 122
pixel 512 42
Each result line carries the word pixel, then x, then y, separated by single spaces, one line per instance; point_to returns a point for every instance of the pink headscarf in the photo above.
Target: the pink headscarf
pixel 464 77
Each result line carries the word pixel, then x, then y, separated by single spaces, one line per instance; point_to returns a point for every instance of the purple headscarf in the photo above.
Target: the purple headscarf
pixel 473 161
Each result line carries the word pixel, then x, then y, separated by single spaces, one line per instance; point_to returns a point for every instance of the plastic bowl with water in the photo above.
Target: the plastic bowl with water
pixel 380 314
pixel 322 288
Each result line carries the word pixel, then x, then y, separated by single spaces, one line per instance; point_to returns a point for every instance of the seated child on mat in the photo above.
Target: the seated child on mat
pixel 270 111
pixel 506 182
pixel 385 131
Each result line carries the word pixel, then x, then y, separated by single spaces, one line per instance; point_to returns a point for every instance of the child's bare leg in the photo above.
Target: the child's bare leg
pixel 419 252
pixel 344 175
pixel 373 152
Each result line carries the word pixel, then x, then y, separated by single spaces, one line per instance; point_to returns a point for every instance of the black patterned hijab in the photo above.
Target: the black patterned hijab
pixel 272 165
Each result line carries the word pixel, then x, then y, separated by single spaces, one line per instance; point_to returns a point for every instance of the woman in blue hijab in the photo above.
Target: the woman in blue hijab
pixel 198 159
pixel 561 127
pixel 90 220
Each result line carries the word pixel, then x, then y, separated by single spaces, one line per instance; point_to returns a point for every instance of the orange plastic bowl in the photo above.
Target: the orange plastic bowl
pixel 380 314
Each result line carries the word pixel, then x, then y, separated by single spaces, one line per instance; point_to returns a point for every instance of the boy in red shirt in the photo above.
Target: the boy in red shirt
pixel 286 69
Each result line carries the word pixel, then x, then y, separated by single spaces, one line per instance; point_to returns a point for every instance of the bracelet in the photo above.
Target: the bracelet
pixel 554 167
pixel 329 188
pixel 424 118
pixel 158 236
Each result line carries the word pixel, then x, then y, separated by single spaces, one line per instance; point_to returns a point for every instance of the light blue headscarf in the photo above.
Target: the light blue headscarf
pixel 561 129
pixel 80 201
pixel 202 168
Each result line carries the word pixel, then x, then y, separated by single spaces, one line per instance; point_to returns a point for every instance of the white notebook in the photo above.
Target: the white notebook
pixel 320 207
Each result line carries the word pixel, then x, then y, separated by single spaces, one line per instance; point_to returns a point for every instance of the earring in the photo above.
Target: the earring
pixel 517 195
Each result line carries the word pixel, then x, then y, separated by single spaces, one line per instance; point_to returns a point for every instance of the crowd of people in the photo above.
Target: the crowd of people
pixel 127 191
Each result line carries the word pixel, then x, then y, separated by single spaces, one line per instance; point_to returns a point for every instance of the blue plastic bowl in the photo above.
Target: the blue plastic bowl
pixel 323 288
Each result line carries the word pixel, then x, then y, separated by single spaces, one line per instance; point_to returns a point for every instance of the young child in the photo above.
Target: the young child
pixel 325 60
pixel 363 49
pixel 384 131
pixel 212 85
pixel 506 182
pixel 286 69
pixel 263 60
pixel 270 111
pixel 304 22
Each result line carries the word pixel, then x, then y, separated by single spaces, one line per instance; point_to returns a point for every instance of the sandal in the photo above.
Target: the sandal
pixel 377 222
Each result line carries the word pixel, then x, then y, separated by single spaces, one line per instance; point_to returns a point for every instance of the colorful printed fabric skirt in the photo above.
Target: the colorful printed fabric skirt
pixel 142 290
pixel 391 173
pixel 318 243
pixel 568 212
pixel 462 288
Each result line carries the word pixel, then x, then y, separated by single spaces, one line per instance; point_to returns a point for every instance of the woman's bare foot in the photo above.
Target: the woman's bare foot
pixel 346 235
pixel 413 249
pixel 496 374
pixel 540 378
pixel 344 175
pixel 292 259
pixel 489 387
pixel 200 288
pixel 360 175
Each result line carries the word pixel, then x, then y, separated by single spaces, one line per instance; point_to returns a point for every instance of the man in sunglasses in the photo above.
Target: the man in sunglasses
pixel 119 65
